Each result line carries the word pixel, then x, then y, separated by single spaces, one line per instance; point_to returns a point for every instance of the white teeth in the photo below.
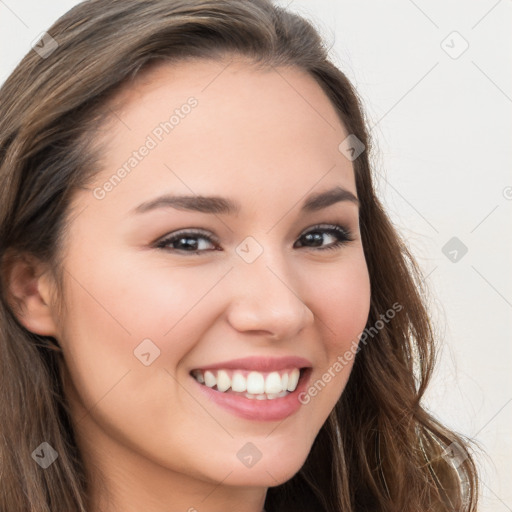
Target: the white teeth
pixel 238 383
pixel 293 380
pixel 209 379
pixel 273 383
pixel 223 381
pixel 256 385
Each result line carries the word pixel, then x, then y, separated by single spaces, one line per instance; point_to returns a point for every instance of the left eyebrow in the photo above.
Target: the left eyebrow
pixel 222 205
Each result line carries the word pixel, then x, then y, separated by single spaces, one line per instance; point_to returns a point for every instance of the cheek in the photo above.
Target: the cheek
pixel 341 298
pixel 120 319
pixel 131 301
pixel 128 318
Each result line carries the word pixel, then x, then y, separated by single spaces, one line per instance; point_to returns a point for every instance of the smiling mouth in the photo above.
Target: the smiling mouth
pixel 251 384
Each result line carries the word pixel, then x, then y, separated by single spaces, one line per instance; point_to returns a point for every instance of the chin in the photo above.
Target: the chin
pixel 263 477
pixel 266 472
pixel 270 472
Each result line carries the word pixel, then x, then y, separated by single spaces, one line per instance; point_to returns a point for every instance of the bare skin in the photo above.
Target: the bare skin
pixel 151 439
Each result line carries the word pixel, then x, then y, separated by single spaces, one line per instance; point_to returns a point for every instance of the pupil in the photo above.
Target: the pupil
pixel 188 241
pixel 315 237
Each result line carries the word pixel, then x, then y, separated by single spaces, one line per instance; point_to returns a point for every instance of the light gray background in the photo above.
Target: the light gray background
pixel 443 130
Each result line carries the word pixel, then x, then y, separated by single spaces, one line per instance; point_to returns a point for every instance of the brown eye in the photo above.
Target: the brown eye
pixel 316 236
pixel 186 241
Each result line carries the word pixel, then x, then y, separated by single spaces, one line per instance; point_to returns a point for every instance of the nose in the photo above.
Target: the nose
pixel 266 299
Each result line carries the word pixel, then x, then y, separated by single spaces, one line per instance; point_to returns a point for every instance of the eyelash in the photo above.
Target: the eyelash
pixel 344 236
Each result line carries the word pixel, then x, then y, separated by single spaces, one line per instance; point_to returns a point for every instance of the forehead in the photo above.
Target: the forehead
pixel 214 79
pixel 217 125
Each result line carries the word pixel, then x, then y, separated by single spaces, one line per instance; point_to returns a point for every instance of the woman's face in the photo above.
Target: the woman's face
pixel 157 288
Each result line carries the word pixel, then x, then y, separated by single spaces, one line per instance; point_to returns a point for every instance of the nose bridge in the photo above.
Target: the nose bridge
pixel 265 294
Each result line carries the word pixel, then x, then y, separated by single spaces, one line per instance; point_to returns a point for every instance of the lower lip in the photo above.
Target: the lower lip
pixel 259 410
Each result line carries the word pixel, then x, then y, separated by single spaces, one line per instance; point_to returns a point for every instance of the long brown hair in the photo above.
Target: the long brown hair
pixel 379 449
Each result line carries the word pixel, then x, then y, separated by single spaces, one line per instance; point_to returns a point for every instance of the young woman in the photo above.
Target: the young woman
pixel 204 305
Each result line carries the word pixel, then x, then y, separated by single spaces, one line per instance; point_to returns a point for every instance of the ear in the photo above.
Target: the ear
pixel 29 294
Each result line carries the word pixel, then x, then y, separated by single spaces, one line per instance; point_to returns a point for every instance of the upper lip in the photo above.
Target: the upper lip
pixel 261 364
